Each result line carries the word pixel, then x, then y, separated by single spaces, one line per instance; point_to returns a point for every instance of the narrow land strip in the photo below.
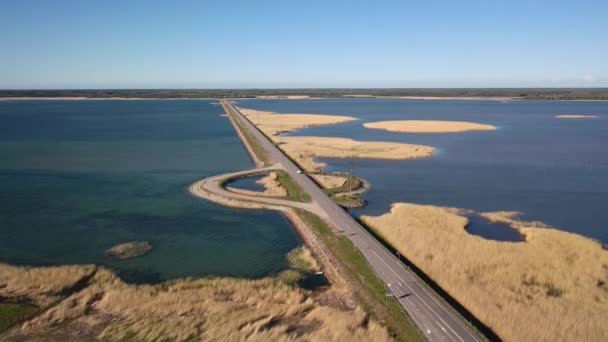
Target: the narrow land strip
pixel 432 315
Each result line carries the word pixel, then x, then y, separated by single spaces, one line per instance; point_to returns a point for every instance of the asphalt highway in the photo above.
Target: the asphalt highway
pixel 433 316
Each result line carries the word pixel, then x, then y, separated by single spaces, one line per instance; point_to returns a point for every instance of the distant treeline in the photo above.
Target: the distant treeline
pixel 523 93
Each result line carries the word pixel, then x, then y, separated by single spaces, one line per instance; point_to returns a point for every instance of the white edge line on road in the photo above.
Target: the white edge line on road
pixel 423 302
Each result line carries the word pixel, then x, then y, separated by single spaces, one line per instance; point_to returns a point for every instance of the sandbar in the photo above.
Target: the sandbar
pixel 554 279
pixel 575 116
pixel 428 126
pixel 272 123
pixel 304 149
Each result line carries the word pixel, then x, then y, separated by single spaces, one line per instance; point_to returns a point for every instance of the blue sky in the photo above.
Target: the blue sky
pixel 287 44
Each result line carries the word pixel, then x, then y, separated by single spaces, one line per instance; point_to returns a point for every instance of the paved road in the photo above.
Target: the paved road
pixel 214 185
pixel 433 316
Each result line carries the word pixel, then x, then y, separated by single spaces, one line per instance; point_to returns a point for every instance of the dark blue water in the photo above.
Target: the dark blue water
pixel 552 170
pixel 78 177
pixel 247 183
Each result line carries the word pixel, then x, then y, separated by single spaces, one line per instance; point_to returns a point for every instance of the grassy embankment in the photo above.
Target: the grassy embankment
pixel 257 149
pixel 294 192
pixel 369 289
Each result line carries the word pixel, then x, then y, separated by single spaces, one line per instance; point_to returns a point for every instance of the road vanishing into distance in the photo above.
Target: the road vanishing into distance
pixel 437 320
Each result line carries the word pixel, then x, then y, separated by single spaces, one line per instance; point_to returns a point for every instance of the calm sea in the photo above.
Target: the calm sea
pixel 552 170
pixel 78 177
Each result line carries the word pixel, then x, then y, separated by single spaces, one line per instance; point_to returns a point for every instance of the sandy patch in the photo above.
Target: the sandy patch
pixel 272 185
pixel 428 126
pixel 575 116
pixel 464 98
pixel 272 123
pixel 552 287
pixel 304 149
pixel 289 97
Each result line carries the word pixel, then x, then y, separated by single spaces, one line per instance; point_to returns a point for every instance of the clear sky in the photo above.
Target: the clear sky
pixel 287 44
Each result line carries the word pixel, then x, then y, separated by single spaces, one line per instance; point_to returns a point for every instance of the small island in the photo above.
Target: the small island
pixel 274 124
pixel 428 126
pixel 129 250
pixel 304 149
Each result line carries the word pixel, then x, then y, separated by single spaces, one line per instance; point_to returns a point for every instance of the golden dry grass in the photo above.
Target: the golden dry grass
pixel 428 126
pixel 552 287
pixel 330 181
pixel 272 185
pixel 41 285
pixel 304 149
pixel 575 116
pixel 302 259
pixel 213 309
pixel 273 124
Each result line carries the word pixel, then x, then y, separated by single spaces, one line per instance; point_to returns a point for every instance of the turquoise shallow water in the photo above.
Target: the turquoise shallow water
pixel 551 170
pixel 80 176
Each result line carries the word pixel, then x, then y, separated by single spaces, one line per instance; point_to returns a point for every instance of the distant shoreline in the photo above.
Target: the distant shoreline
pixel 83 98
pixel 295 97
pixel 463 98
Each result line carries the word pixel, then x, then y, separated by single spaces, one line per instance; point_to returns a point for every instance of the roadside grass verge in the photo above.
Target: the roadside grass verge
pixel 294 192
pixel 13 313
pixel 253 143
pixel 369 289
